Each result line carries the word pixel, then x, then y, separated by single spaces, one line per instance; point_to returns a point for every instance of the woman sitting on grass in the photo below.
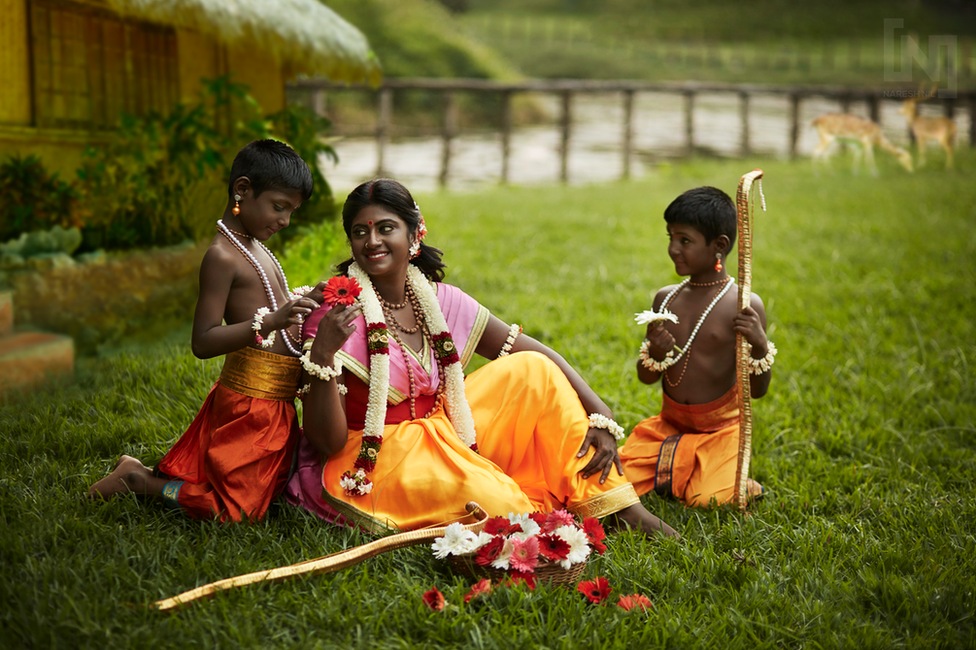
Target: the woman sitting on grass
pixel 397 438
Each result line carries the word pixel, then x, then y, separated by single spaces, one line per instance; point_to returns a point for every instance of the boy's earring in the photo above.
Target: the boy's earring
pixel 237 205
pixel 718 262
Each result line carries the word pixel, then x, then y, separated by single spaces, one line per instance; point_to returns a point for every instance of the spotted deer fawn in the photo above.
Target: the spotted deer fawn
pixel 926 130
pixel 859 131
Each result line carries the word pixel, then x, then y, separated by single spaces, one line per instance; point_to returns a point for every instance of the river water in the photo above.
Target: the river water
pixel 596 141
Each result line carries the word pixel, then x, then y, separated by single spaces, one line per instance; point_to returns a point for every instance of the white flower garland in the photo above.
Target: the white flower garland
pixel 379 364
pixel 513 333
pixel 759 366
pixel 653 364
pixel 256 326
pixel 600 421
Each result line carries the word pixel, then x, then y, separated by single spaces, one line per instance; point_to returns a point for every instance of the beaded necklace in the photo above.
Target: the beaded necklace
pixel 686 352
pixel 226 232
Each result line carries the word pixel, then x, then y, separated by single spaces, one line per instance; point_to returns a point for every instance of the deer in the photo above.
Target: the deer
pixel 941 130
pixel 859 131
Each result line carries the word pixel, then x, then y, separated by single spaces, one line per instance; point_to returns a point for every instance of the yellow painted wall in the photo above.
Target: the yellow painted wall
pixel 15 105
pixel 199 58
pixel 262 74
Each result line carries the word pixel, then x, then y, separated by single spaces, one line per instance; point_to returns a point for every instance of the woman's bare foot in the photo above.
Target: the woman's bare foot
pixel 129 475
pixel 636 516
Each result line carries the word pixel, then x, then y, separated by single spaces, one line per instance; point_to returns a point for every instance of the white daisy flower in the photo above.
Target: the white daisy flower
pixel 483 538
pixel 579 546
pixel 456 541
pixel 529 527
pixel 651 316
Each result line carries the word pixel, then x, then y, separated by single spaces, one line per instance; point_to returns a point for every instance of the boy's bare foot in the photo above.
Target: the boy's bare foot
pixel 129 475
pixel 636 516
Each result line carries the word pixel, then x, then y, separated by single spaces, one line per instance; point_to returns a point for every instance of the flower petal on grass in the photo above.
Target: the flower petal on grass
pixel 596 591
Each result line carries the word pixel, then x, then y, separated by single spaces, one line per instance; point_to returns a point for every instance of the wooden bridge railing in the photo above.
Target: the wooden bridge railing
pixel 566 89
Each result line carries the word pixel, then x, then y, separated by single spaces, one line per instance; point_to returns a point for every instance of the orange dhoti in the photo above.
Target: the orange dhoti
pixel 530 426
pixel 688 451
pixel 235 457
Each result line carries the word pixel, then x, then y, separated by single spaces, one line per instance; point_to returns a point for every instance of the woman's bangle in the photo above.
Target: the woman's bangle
pixel 653 364
pixel 759 366
pixel 256 326
pixel 513 333
pixel 599 421
pixel 321 372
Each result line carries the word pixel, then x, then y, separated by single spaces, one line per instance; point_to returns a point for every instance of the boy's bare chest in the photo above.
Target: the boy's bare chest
pixel 711 330
pixel 254 277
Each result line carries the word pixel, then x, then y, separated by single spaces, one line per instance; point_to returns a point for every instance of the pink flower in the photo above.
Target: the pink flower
pixel 434 599
pixel 556 519
pixel 525 555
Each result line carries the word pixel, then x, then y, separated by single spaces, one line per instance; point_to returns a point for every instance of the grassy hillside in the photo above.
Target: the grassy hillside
pixel 765 41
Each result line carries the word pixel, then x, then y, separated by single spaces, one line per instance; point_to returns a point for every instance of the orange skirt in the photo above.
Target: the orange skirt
pixel 530 426
pixel 235 457
pixel 688 451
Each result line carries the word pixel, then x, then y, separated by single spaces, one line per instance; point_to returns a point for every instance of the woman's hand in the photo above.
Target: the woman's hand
pixel 749 324
pixel 334 329
pixel 606 455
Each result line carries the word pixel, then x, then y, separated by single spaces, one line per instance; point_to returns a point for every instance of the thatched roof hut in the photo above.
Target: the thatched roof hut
pixel 304 35
pixel 68 68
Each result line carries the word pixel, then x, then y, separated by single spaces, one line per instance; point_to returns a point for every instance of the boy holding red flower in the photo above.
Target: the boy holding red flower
pixel 235 457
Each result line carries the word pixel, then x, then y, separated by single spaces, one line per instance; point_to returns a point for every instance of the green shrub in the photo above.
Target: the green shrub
pixel 31 198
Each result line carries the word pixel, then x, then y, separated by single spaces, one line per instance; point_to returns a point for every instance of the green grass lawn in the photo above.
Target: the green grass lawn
pixel 865 441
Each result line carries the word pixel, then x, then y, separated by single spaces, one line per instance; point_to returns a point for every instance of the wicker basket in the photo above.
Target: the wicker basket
pixel 547 572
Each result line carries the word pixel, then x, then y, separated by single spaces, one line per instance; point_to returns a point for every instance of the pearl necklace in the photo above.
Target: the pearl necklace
pixel 694 332
pixel 264 276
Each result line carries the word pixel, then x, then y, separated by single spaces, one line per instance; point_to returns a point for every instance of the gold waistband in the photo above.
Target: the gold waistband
pixel 261 374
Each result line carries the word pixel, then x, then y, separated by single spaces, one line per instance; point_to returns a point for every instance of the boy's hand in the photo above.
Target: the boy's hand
pixel 750 326
pixel 334 328
pixel 316 293
pixel 292 312
pixel 606 455
pixel 660 339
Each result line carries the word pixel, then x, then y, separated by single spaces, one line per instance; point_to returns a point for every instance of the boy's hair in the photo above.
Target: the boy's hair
pixel 392 196
pixel 708 210
pixel 271 165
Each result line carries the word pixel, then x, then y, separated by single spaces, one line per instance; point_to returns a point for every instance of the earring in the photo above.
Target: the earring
pixel 237 205
pixel 718 262
pixel 415 249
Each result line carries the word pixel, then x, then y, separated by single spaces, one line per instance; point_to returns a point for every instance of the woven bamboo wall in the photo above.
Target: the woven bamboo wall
pixel 15 101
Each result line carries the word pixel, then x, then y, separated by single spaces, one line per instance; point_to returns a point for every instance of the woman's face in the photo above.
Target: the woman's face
pixel 380 242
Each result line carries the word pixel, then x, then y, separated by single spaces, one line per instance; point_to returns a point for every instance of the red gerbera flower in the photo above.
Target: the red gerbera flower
pixel 487 553
pixel 480 588
pixel 341 290
pixel 553 547
pixel 515 578
pixel 501 526
pixel 595 534
pixel 635 600
pixel 434 599
pixel 539 518
pixel 596 591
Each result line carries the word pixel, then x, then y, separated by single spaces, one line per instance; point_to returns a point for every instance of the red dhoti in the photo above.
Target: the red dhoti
pixel 235 457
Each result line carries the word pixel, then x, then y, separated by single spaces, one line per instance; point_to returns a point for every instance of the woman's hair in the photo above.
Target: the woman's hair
pixel 708 210
pixel 394 197
pixel 271 165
